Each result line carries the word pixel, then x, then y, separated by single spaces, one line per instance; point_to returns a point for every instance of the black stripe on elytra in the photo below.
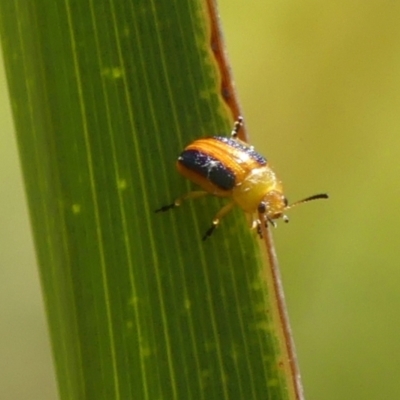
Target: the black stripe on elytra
pixel 242 147
pixel 208 167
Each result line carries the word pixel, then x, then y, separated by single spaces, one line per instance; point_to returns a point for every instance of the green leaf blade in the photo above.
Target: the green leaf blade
pixel 105 96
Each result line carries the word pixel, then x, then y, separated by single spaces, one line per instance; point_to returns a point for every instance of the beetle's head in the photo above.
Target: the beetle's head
pixel 273 205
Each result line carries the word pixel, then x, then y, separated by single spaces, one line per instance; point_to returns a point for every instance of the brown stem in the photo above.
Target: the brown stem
pixel 229 95
pixel 278 293
pixel 218 47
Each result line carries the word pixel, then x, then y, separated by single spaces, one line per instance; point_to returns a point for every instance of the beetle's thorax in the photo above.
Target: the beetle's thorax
pixel 261 184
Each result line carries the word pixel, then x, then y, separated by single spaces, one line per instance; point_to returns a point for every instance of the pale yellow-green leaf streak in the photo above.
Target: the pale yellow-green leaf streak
pixel 120 190
pixel 82 106
pixel 43 165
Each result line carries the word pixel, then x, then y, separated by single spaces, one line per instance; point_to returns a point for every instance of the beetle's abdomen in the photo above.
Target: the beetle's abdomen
pixel 208 167
pixel 238 147
pixel 218 164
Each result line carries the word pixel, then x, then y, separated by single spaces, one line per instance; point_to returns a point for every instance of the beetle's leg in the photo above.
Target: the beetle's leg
pixel 221 213
pixel 236 127
pixel 255 223
pixel 191 195
pixel 259 231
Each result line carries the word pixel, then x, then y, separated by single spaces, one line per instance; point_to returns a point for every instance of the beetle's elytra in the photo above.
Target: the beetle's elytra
pixel 229 167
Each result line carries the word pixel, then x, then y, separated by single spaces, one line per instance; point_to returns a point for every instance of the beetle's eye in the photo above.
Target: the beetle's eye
pixel 285 201
pixel 262 208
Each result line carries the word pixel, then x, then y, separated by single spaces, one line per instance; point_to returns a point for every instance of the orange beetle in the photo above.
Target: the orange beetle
pixel 229 167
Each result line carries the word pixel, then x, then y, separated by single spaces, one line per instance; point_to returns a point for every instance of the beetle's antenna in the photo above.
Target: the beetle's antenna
pixel 307 199
pixel 236 127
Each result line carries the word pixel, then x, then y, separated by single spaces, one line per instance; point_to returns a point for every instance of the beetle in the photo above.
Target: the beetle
pixel 228 167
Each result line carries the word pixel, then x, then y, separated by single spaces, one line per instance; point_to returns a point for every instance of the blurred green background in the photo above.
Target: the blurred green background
pixel 319 83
